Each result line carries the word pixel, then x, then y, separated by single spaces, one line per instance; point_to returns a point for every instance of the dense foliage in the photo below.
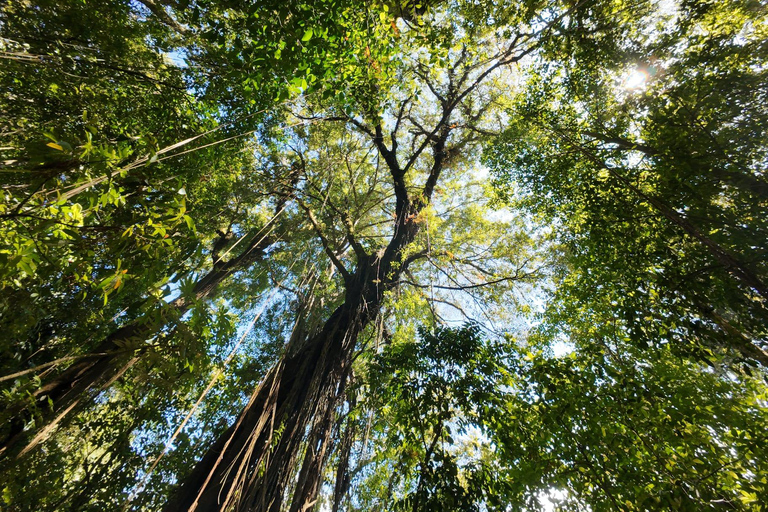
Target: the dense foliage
pixel 383 255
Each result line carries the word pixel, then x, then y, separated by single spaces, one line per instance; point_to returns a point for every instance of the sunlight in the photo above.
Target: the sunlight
pixel 636 79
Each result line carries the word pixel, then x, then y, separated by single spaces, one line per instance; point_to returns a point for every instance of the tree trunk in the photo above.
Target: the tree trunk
pixel 744 181
pixel 737 268
pixel 249 467
pixel 341 484
pixel 71 389
pixel 737 339
pixel 318 447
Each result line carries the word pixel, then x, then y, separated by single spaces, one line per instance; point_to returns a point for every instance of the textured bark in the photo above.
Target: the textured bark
pixel 342 472
pixel 318 448
pixel 229 476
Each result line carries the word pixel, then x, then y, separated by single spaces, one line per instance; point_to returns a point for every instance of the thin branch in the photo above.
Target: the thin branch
pixel 461 287
pixel 163 16
pixel 353 242
pixel 326 245
pixel 423 74
pixel 400 114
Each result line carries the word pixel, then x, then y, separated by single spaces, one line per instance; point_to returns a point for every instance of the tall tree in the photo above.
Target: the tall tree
pixel 653 205
pixel 121 175
pixel 250 465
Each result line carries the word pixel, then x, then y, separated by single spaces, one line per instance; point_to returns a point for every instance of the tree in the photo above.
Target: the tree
pixel 155 200
pixel 298 395
pixel 657 209
pixel 466 423
pixel 78 229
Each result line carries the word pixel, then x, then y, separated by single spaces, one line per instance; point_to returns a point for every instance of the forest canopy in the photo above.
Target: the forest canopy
pixel 469 255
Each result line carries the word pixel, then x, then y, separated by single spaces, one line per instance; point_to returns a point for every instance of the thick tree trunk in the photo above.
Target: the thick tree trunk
pixel 341 484
pixel 319 445
pixel 249 467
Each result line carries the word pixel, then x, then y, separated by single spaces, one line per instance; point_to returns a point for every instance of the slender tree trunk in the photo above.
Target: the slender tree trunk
pixel 737 268
pixel 731 263
pixel 73 388
pixel 738 340
pixel 158 9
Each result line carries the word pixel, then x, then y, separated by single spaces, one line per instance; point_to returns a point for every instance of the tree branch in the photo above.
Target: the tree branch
pixel 163 16
pixel 461 287
pixel 326 245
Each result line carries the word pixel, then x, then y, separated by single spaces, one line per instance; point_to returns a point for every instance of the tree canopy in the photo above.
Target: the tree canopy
pixel 383 255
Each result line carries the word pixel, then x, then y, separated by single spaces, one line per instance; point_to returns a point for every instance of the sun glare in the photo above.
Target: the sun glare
pixel 635 79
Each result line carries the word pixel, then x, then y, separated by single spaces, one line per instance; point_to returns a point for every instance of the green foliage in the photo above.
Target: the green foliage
pixel 424 392
pixel 658 190
pixel 467 424
pixel 189 188
pixel 617 427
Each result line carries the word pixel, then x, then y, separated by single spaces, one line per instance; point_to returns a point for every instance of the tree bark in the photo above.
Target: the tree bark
pixel 319 446
pixel 342 472
pixel 270 429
